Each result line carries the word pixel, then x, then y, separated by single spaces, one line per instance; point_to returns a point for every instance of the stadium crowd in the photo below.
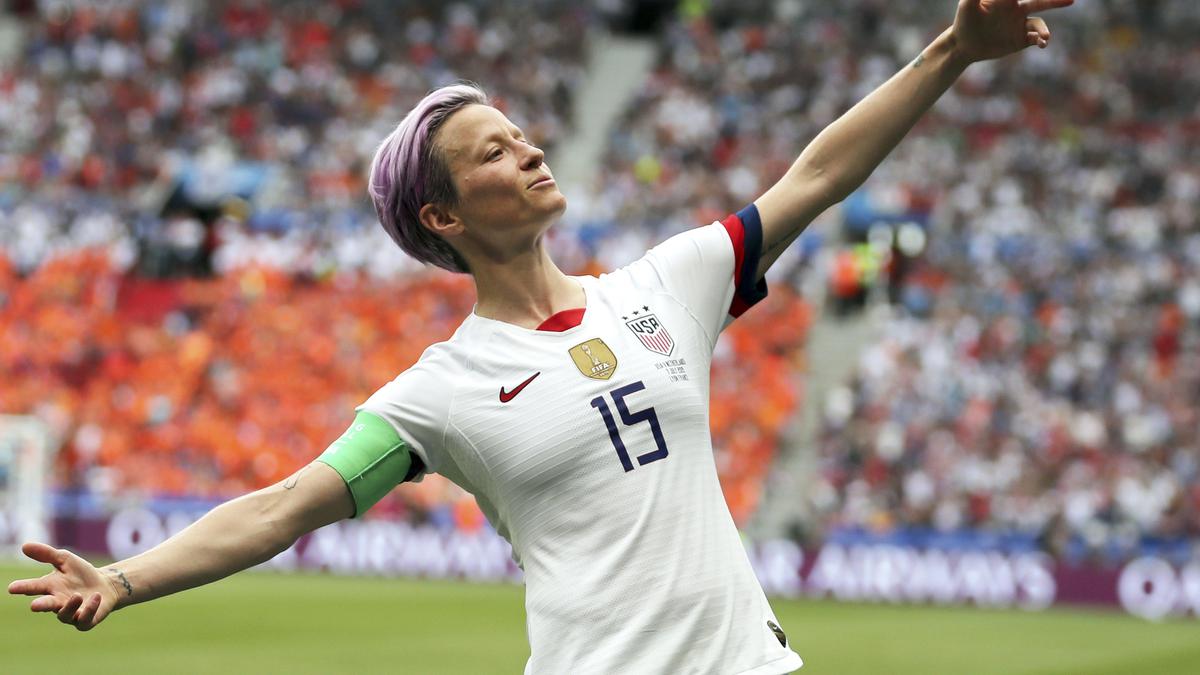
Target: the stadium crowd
pixel 236 131
pixel 214 386
pixel 229 143
pixel 1040 372
pixel 1039 376
pixel 737 91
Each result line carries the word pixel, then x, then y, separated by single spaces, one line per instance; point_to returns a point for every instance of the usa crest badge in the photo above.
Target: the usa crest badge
pixel 652 333
pixel 594 359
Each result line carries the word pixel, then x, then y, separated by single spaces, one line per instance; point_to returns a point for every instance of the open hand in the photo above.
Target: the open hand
pixel 989 29
pixel 80 594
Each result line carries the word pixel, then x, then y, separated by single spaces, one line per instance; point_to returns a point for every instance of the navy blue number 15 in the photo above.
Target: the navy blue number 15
pixel 629 419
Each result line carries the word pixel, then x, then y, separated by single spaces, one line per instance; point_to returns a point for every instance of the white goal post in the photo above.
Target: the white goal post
pixel 26 450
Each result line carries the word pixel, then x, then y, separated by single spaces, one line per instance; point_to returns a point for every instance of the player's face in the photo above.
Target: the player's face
pixel 505 188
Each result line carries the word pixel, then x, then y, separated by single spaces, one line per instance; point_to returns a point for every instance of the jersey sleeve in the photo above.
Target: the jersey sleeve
pixel 417 406
pixel 711 270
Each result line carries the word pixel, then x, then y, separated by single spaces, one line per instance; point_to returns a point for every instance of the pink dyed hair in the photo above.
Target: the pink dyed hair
pixel 408 172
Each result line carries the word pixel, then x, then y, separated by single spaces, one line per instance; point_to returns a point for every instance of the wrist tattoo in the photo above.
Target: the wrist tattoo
pixel 918 61
pixel 122 579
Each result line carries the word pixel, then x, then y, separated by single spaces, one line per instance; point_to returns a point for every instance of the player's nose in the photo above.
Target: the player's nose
pixel 533 157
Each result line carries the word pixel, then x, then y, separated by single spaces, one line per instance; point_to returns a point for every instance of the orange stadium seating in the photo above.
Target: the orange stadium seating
pixel 213 387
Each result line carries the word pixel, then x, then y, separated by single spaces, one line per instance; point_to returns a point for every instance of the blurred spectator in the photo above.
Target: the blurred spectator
pixel 1040 374
pixel 217 386
pixel 142 124
pixel 230 142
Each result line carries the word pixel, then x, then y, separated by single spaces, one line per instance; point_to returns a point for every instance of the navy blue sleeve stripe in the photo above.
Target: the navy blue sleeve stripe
pixel 414 469
pixel 751 289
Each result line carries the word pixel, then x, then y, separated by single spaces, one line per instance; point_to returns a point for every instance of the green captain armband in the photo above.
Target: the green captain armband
pixel 372 459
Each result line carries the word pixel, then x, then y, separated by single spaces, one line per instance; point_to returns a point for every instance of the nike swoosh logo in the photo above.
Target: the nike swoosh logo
pixel 506 396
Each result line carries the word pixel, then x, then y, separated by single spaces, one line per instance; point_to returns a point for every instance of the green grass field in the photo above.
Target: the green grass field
pixel 271 623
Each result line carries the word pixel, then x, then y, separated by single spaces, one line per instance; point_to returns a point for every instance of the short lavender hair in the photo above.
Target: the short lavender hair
pixel 409 172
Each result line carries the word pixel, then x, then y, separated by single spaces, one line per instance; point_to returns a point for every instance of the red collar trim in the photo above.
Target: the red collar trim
pixel 564 320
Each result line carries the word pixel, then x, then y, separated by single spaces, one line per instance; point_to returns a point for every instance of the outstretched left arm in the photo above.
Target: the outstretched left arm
pixel 842 156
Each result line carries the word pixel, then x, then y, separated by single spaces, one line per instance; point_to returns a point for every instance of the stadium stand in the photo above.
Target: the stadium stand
pixel 1036 385
pixel 176 243
pixel 1037 380
pixel 1039 375
pixel 139 124
pixel 211 387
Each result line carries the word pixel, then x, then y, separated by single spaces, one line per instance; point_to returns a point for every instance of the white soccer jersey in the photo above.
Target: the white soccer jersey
pixel 589 450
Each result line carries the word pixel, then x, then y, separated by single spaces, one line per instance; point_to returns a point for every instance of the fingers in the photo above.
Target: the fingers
pixel 67 613
pixel 29 587
pixel 86 618
pixel 44 553
pixel 1037 33
pixel 1036 25
pixel 1035 6
pixel 76 612
pixel 46 603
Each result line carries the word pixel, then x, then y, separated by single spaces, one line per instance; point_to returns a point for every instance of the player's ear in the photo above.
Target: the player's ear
pixel 440 220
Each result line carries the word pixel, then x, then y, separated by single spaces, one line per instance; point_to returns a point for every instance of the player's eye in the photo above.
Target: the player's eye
pixel 494 155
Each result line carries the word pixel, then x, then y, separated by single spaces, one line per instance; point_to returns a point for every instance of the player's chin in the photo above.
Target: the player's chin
pixel 552 202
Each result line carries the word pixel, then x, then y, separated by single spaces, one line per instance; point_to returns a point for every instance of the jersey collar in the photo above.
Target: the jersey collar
pixel 560 322
pixel 564 320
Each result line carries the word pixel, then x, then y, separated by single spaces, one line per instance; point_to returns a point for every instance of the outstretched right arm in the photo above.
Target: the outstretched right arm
pixel 234 536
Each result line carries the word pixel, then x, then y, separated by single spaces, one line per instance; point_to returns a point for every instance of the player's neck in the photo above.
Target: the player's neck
pixel 525 290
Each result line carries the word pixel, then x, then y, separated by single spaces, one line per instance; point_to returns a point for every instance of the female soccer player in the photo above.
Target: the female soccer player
pixel 573 408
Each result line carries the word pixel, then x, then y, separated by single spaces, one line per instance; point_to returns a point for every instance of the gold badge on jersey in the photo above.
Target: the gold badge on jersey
pixel 594 359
